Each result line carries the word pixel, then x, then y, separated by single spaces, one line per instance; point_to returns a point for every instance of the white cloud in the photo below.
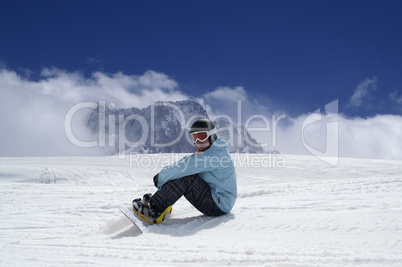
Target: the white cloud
pixel 32 113
pixel 227 94
pixel 233 102
pixel 374 137
pixel 396 98
pixel 124 90
pixel 363 92
pixel 94 60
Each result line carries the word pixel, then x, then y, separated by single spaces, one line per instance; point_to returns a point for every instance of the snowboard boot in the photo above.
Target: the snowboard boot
pixel 147 200
pixel 145 210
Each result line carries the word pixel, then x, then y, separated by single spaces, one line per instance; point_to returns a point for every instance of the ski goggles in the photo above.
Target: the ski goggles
pixel 202 136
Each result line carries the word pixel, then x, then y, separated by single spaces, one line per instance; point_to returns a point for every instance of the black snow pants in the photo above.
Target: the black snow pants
pixel 193 188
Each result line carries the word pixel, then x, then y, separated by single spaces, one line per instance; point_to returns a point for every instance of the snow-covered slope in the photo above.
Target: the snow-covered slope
pixel 291 211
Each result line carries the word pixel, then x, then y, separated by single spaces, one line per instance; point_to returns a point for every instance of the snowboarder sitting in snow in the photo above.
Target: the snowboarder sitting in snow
pixel 207 179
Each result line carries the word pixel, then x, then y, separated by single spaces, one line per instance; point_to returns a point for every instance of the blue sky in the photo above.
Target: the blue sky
pixel 277 57
pixel 298 55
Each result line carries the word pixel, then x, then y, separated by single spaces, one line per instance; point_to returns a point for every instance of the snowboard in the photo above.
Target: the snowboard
pixel 138 223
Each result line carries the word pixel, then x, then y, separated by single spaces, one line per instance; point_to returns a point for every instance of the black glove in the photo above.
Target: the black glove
pixel 156 180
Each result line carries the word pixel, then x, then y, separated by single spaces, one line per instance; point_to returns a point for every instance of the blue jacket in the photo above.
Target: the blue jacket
pixel 214 166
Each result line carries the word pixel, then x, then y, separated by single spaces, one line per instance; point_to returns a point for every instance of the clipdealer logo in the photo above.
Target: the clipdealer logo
pixel 112 127
pixel 326 150
pixel 330 153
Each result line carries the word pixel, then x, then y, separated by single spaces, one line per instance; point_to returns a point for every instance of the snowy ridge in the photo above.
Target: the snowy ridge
pixel 304 214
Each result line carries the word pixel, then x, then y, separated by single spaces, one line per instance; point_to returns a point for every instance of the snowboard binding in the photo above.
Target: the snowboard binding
pixel 144 210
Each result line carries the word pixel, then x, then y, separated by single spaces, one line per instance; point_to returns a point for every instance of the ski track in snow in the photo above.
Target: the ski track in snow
pixel 64 212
